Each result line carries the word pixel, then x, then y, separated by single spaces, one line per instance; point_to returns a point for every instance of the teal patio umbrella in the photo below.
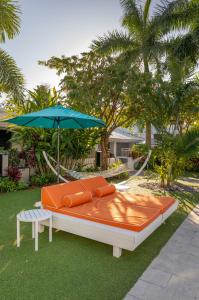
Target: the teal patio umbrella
pixel 57 117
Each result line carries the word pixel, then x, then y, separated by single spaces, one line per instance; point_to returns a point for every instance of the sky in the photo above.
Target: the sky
pixel 58 27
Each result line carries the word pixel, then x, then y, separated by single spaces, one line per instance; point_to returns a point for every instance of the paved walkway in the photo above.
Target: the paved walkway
pixel 174 274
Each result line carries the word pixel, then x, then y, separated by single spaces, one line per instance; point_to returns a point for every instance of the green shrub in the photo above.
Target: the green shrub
pixel 40 180
pixel 21 185
pixel 139 150
pixel 172 155
pixel 9 185
pixel 115 165
pixel 193 164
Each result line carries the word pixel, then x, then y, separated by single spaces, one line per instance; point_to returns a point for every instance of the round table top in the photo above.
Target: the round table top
pixel 34 215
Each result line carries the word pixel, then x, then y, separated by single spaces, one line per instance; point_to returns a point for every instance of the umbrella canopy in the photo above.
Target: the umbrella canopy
pixel 57 117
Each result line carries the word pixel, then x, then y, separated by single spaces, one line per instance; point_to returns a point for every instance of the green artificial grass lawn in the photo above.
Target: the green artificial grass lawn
pixel 71 267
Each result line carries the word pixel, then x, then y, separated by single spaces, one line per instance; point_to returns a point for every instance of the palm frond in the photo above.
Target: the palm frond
pixel 187 145
pixel 185 46
pixel 112 42
pixel 129 6
pixel 131 58
pixel 11 78
pixel 133 16
pixel 177 14
pixel 166 7
pixel 147 10
pixel 9 19
pixel 181 70
pixel 153 45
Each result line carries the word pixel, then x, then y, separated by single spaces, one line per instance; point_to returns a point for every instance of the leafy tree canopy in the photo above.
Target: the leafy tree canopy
pixel 96 85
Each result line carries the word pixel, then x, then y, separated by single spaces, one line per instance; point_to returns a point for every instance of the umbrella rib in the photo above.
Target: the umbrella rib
pixel 25 124
pixel 78 123
pixel 71 118
pixel 30 121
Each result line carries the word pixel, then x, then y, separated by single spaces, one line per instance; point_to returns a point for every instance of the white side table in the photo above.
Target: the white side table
pixel 34 216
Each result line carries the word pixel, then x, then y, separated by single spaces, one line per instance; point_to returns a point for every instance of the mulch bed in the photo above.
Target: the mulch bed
pixel 177 187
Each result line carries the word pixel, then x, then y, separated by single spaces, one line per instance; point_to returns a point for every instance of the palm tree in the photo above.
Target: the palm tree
pixel 183 16
pixel 11 78
pixel 142 42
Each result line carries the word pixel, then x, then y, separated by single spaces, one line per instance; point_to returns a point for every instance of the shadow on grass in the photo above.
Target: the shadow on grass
pixel 187 200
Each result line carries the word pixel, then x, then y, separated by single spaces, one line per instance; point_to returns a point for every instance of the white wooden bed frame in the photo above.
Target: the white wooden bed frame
pixel 117 237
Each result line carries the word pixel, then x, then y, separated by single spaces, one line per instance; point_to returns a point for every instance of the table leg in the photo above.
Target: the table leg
pixel 50 229
pixel 33 230
pixel 18 233
pixel 36 235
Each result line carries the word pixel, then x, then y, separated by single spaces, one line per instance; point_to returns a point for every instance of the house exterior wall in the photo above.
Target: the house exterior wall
pixel 121 145
pixel 111 148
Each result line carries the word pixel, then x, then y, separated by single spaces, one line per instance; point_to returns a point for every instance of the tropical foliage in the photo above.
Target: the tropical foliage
pixel 74 144
pixel 9 185
pixel 11 78
pixel 173 153
pixel 170 105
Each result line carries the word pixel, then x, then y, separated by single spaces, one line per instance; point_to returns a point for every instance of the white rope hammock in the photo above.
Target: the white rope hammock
pixel 140 170
pixel 79 175
pixel 106 174
pixel 52 168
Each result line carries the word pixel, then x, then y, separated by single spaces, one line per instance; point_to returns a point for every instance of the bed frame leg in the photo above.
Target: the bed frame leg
pixel 117 252
pixel 41 228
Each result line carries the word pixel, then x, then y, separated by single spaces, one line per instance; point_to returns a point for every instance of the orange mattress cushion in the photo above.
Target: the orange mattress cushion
pixel 123 210
pixel 105 190
pixel 160 202
pixel 77 199
pixel 123 214
pixel 91 184
pixel 53 195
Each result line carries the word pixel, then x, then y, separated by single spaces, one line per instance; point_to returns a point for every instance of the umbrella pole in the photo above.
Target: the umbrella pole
pixel 58 154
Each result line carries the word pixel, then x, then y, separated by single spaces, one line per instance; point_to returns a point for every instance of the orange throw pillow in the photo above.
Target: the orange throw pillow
pixel 105 190
pixel 77 199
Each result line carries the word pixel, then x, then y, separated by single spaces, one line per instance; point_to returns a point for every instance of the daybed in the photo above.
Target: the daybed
pixel 122 220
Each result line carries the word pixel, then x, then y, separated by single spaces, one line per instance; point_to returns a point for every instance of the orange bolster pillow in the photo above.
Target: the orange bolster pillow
pixel 77 199
pixel 105 190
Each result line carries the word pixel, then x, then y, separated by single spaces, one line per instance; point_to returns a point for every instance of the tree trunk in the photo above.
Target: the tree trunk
pixel 162 182
pixel 146 65
pixel 148 134
pixel 105 152
pixel 148 124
